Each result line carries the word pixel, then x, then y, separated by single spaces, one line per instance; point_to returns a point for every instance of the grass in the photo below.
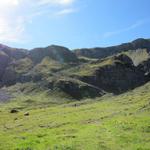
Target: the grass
pixel 21 66
pixel 137 56
pixel 48 65
pixel 32 95
pixel 107 123
pixel 88 69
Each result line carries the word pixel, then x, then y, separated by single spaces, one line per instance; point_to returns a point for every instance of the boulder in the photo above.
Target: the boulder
pixel 26 114
pixel 14 111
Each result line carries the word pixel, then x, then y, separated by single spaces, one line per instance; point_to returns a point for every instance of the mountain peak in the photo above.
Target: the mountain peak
pixel 58 53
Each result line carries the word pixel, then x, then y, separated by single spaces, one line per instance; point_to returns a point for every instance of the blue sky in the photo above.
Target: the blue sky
pixel 73 23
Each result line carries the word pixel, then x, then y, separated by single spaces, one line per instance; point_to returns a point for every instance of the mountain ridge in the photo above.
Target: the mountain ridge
pixel 113 69
pixel 101 52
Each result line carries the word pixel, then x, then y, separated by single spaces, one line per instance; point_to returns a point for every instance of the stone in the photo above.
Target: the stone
pixel 26 114
pixel 14 111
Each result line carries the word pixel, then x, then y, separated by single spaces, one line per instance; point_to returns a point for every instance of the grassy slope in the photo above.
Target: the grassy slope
pixel 89 68
pixel 108 123
pixel 138 56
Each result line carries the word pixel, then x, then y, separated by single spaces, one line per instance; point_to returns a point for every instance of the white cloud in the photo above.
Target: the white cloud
pixel 9 2
pixel 11 25
pixel 57 2
pixel 65 11
pixel 11 31
pixel 16 14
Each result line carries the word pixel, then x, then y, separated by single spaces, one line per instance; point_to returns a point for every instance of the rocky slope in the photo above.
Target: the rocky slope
pixel 114 74
pixel 113 70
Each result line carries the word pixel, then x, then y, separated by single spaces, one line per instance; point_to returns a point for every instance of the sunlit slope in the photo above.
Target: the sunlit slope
pixel 108 123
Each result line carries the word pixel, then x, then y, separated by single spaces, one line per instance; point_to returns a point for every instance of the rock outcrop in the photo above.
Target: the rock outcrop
pixel 145 67
pixel 117 77
pixel 77 89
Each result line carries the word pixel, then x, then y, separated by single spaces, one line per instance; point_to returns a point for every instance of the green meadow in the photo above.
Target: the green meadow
pixel 108 123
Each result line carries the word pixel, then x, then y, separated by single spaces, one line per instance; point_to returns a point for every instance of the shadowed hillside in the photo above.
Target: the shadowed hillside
pixel 91 72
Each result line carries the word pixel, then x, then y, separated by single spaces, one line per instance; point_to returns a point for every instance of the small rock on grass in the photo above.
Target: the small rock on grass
pixel 26 114
pixel 14 111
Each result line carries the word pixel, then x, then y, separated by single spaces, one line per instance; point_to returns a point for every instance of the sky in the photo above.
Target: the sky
pixel 73 23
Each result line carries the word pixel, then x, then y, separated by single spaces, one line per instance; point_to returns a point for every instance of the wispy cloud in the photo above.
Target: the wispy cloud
pixel 11 31
pixel 57 2
pixel 65 11
pixel 16 14
pixel 11 27
pixel 129 28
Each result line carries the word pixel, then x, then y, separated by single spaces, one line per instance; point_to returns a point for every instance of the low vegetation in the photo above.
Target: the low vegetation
pixel 106 123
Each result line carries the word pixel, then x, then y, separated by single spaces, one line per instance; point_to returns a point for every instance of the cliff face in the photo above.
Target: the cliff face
pixel 116 74
pixel 145 67
pixel 4 60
